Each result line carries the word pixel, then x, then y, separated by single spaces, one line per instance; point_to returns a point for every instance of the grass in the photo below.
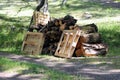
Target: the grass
pixel 78 7
pixel 110 33
pixel 28 68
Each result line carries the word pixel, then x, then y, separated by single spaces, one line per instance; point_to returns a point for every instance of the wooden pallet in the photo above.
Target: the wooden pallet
pixel 40 18
pixel 33 43
pixel 67 43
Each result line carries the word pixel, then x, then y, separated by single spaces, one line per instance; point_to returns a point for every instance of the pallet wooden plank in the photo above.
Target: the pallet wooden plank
pixel 33 43
pixel 67 43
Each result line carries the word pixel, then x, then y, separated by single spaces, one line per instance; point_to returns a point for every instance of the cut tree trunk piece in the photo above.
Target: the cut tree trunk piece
pixel 79 44
pixel 94 52
pixel 90 28
pixel 79 52
pixel 88 38
pixel 91 50
pixel 91 38
pixel 67 43
pixel 96 46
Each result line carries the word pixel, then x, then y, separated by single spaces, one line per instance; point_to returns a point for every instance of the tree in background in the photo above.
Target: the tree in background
pixel 40 16
pixel 63 3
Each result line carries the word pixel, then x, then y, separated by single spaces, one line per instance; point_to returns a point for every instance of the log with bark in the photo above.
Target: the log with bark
pixel 91 50
pixel 91 38
pixel 89 28
pixel 90 42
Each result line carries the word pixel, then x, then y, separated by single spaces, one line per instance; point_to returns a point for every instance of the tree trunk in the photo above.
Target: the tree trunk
pixel 40 5
pixel 63 3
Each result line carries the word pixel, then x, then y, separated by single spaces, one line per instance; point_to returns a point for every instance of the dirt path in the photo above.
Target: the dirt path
pixel 90 68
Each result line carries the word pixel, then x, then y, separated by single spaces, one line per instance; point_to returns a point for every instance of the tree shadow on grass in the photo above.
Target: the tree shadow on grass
pixel 5 18
pixel 113 4
pixel 97 9
pixel 100 68
pixel 30 73
pixel 11 39
pixel 18 4
pixel 94 5
pixel 107 3
pixel 16 20
pixel 12 32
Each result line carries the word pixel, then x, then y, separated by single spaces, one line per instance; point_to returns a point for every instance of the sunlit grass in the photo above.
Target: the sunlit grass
pixel 6 64
pixel 110 33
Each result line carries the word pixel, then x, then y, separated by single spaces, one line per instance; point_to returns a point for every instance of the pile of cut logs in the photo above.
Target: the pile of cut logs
pixel 53 32
pixel 89 44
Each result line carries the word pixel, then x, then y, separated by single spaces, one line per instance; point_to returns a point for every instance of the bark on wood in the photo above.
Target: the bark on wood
pixel 92 50
pixel 90 43
pixel 91 38
pixel 95 46
pixel 90 28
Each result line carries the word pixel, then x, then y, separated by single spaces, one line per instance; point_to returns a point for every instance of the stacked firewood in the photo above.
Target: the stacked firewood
pixel 53 31
pixel 90 42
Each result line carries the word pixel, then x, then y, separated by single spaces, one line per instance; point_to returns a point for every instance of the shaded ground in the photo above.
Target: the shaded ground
pixel 91 68
pixel 110 3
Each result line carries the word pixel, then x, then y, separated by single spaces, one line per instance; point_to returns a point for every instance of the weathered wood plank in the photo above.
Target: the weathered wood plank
pixel 33 43
pixel 67 43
